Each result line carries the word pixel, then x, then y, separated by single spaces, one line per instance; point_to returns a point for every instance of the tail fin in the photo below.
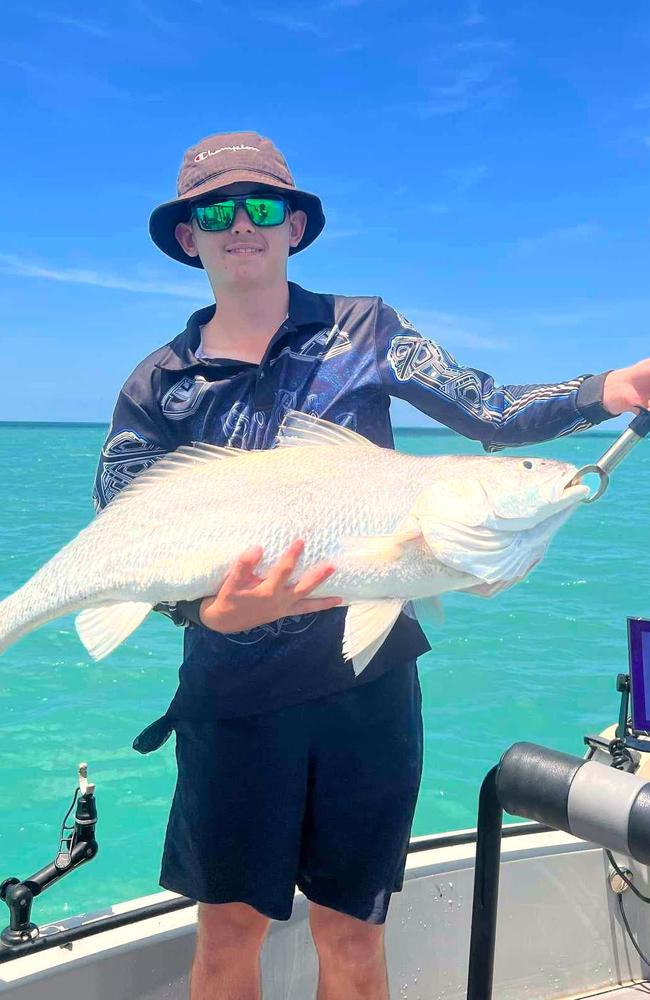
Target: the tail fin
pixel 23 611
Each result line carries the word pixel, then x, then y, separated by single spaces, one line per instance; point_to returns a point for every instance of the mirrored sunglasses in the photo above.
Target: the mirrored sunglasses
pixel 220 215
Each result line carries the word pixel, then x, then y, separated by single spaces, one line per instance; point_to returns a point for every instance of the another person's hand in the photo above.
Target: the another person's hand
pixel 245 600
pixel 628 388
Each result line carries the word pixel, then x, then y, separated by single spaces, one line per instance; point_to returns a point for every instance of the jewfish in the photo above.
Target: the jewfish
pixel 397 527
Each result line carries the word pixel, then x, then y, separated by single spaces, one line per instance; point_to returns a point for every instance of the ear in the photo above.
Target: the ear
pixel 185 236
pixel 297 224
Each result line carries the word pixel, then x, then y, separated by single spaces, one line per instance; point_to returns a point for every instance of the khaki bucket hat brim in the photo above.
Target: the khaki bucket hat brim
pixel 205 172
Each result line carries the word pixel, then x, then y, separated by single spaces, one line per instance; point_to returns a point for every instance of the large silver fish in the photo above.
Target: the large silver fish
pixel 398 528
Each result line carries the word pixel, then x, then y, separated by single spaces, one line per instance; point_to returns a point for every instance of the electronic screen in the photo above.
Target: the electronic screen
pixel 638 636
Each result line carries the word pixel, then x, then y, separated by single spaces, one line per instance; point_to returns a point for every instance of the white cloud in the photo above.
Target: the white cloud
pixel 561 236
pixel 285 19
pixel 455 331
pixel 10 264
pixel 465 178
pixel 473 17
pixel 341 5
pixel 603 314
pixel 86 27
pixel 473 86
pixel 154 17
pixel 482 45
pixel 340 234
pixel 67 88
pixel 347 48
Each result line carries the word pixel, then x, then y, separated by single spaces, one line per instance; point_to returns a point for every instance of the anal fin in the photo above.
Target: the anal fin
pixel 483 589
pixel 367 625
pixel 432 608
pixel 103 628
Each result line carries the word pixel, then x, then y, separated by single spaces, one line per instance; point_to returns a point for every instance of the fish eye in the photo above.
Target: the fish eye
pixel 527 464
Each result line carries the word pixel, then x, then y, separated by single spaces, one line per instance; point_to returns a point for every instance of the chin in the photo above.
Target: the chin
pixel 252 273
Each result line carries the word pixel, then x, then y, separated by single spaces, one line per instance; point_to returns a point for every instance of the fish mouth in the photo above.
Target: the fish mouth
pixel 568 492
pixel 564 496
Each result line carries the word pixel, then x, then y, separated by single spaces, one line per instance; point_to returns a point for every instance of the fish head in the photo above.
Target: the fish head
pixel 524 493
pixel 493 517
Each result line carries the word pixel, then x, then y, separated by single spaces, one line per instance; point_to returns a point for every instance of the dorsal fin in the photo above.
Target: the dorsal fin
pixel 172 465
pixel 209 449
pixel 300 429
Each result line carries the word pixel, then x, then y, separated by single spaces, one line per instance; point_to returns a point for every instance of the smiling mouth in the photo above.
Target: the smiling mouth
pixel 244 251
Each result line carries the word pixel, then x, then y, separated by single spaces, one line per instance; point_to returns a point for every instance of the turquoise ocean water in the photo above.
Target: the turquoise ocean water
pixel 538 662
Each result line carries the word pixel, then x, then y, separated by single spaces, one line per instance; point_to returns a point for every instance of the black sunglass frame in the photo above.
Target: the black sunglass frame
pixel 240 200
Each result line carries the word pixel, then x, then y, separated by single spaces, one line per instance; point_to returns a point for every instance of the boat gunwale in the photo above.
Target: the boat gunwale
pixel 112 921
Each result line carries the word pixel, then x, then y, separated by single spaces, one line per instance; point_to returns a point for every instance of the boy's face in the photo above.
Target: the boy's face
pixel 245 254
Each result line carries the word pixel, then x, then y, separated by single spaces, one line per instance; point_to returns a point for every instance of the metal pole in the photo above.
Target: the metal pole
pixel 486 891
pixel 629 439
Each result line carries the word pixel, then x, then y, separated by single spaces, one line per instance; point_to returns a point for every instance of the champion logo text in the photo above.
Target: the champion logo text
pixel 222 149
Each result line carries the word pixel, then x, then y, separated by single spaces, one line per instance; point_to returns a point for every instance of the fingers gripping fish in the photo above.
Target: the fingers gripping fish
pixel 397 527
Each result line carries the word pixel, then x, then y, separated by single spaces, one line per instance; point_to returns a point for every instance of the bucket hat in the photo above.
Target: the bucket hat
pixel 229 158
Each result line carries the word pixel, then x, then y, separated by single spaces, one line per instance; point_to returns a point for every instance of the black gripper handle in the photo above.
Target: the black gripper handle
pixel 641 423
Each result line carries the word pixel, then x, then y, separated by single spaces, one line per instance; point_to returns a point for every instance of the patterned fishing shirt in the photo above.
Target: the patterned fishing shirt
pixel 341 358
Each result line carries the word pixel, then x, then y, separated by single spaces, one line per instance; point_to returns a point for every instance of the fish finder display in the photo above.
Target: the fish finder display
pixel 638 633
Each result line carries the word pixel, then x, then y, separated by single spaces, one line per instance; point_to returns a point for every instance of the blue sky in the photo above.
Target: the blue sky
pixel 484 167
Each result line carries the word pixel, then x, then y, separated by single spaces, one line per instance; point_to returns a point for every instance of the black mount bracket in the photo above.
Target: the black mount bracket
pixel 77 845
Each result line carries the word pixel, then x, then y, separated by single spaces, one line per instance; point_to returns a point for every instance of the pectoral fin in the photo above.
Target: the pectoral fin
pixel 367 624
pixel 103 628
pixel 380 548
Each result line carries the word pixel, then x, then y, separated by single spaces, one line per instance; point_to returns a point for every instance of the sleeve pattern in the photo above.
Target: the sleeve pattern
pixel 133 443
pixel 124 456
pixel 427 375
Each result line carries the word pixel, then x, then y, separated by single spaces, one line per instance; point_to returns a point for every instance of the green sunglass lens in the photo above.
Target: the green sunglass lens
pixel 265 211
pixel 217 216
pixel 221 214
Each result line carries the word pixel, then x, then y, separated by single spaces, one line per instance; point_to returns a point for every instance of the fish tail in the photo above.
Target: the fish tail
pixel 12 620
pixel 22 612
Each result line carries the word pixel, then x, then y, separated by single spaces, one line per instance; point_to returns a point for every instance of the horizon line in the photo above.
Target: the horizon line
pixel 418 429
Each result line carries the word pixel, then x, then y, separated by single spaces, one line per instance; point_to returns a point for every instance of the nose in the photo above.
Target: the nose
pixel 241 222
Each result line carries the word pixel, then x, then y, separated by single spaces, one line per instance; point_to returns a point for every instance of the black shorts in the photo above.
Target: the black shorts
pixel 319 795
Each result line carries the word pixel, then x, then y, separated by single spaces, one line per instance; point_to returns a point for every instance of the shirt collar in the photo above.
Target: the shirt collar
pixel 305 308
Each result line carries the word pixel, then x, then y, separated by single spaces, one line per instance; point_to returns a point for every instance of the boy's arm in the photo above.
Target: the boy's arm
pixel 135 441
pixel 423 373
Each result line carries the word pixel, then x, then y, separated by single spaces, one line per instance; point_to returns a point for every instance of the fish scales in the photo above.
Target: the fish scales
pixel 321 494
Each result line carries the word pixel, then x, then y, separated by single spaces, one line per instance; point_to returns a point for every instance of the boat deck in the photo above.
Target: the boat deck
pixel 624 993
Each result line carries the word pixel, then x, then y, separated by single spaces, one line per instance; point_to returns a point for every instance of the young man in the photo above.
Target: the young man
pixel 290 770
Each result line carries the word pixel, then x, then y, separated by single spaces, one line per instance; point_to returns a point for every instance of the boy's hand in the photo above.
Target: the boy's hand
pixel 628 389
pixel 245 600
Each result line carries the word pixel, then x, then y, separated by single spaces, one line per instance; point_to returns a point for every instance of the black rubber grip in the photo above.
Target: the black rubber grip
pixel 641 423
pixel 534 782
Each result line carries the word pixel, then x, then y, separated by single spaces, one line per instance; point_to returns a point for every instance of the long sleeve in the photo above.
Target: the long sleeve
pixel 467 400
pixel 135 441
